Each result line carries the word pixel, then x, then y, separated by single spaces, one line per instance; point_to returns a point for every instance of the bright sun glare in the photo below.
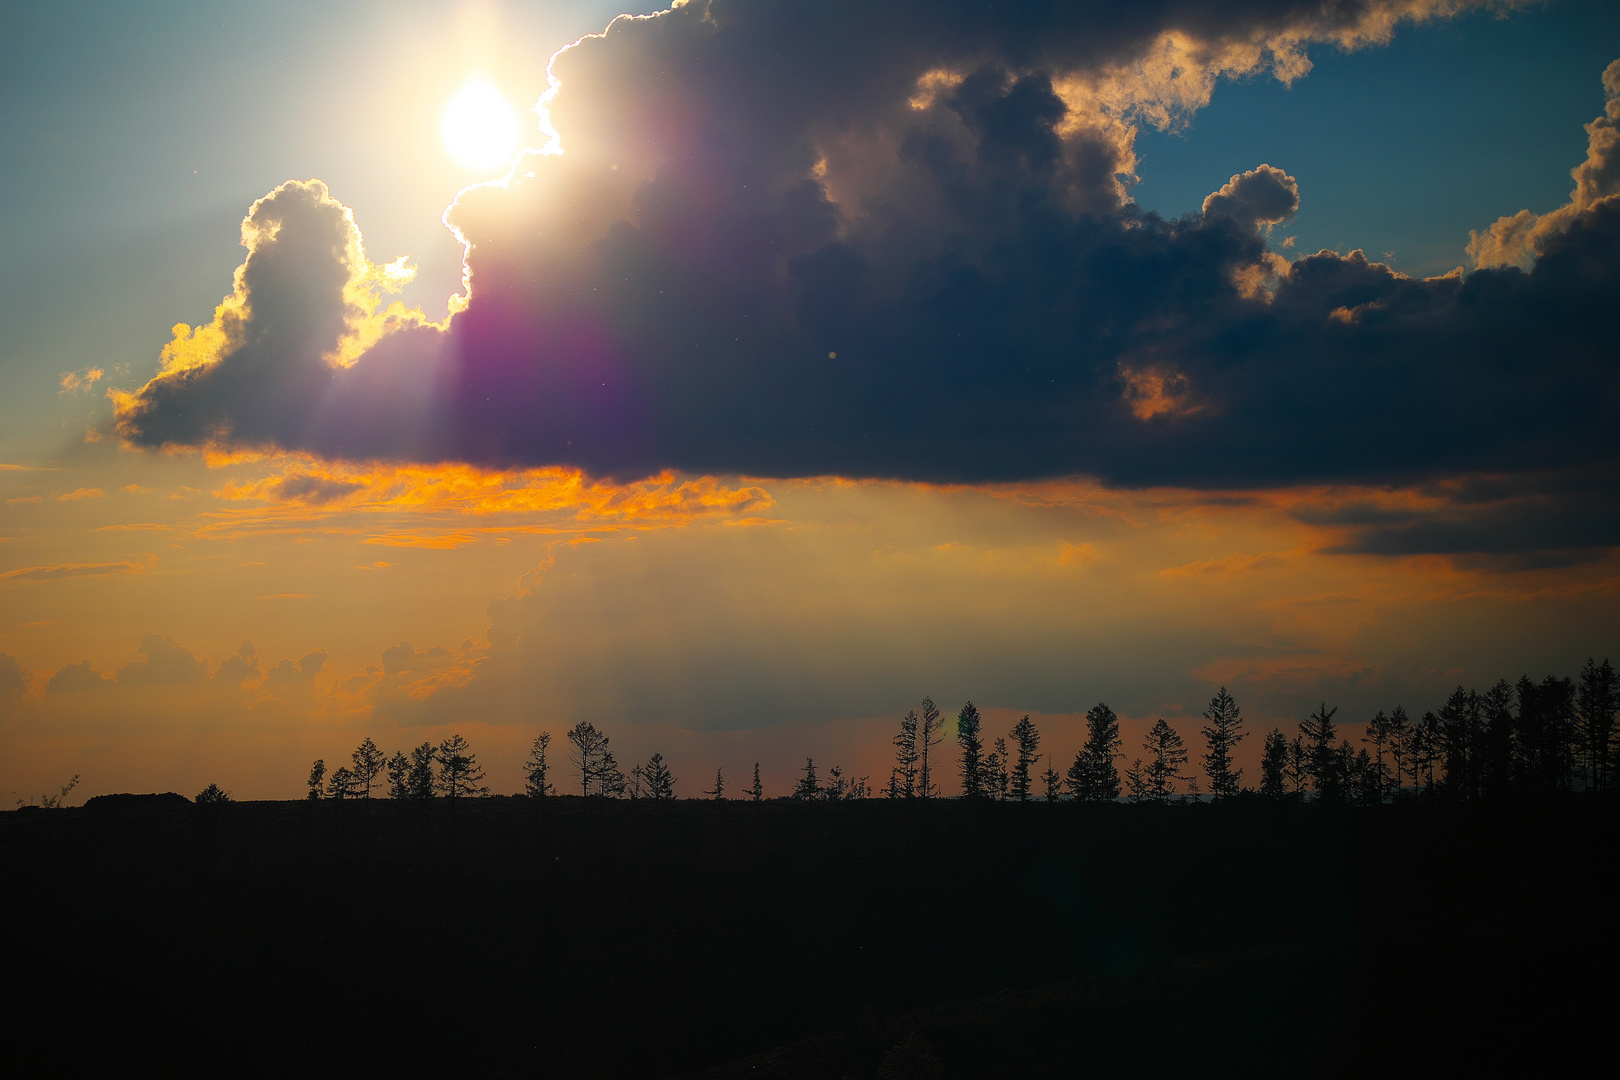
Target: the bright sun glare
pixel 480 128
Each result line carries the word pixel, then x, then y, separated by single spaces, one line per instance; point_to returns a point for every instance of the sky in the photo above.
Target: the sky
pixel 793 363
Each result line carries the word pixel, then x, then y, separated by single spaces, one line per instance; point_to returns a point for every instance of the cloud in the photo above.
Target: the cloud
pixel 165 661
pixel 81 493
pixel 76 677
pixel 69 570
pixel 895 241
pixel 1518 239
pixel 13 679
pixel 287 673
pixel 241 668
pixel 404 657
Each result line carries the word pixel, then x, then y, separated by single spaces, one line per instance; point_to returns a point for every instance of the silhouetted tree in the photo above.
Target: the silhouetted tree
pixel 609 780
pixel 399 769
pixel 1597 699
pixel 213 795
pixel 459 773
pixel 368 762
pixel 836 789
pixel 660 781
pixel 968 737
pixel 1136 782
pixel 535 770
pixel 1167 754
pixel 1322 738
pixel 1053 780
pixel 757 792
pixel 419 782
pixel 1378 734
pixel 1496 746
pixel 1274 766
pixel 1398 730
pixel 808 787
pixel 928 738
pixel 590 746
pixel 1460 737
pixel 637 782
pixel 317 778
pixel 1028 740
pixel 719 792
pixel 1223 730
pixel 1364 781
pixel 903 780
pixel 1427 751
pixel 342 784
pixel 996 780
pixel 1299 766
pixel 1093 777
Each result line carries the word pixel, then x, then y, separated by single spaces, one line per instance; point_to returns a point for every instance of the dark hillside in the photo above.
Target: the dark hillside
pixel 574 937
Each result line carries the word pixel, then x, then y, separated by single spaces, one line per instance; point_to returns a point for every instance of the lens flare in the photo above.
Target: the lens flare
pixel 480 128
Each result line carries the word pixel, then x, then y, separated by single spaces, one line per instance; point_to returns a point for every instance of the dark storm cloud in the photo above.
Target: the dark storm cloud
pixel 892 240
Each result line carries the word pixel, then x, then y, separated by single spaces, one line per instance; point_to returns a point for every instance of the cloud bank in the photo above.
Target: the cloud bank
pixel 895 241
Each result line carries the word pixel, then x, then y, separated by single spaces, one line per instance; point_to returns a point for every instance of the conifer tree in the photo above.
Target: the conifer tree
pixel 660 781
pixel 1427 751
pixel 1597 699
pixel 928 738
pixel 535 784
pixel 1460 736
pixel 971 741
pixel 1322 765
pixel 1053 781
pixel 637 787
pixel 719 792
pixel 1274 766
pixel 1028 740
pixel 836 789
pixel 903 780
pixel 609 780
pixel 1299 767
pixel 1093 777
pixel 399 768
pixel 317 778
pixel 1223 730
pixel 808 786
pixel 459 773
pixel 1136 782
pixel 342 784
pixel 1378 733
pixel 1398 730
pixel 368 762
pixel 1167 754
pixel 419 782
pixel 757 792
pixel 996 780
pixel 590 746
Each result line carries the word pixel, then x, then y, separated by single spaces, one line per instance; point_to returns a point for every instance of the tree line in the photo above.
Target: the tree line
pixel 1556 735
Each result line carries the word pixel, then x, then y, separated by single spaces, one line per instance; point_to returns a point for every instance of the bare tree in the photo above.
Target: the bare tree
pixel 719 792
pixel 903 780
pixel 590 747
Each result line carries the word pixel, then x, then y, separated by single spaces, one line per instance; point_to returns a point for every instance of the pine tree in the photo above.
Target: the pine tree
pixel 903 780
pixel 1093 776
pixel 1274 766
pixel 1597 699
pixel 808 786
pixel 419 782
pixel 757 792
pixel 1460 735
pixel 1427 751
pixel 1136 782
pixel 368 762
pixel 342 784
pixel 1053 781
pixel 637 778
pixel 836 789
pixel 972 743
pixel 213 795
pixel 535 784
pixel 1167 755
pixel 1223 730
pixel 660 781
pixel 317 778
pixel 1378 733
pixel 589 747
pixel 1398 730
pixel 996 780
pixel 459 773
pixel 1028 741
pixel 1322 768
pixel 1299 767
pixel 719 792
pixel 932 724
pixel 609 780
pixel 399 767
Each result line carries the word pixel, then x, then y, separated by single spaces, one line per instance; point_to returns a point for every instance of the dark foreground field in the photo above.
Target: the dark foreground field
pixel 584 938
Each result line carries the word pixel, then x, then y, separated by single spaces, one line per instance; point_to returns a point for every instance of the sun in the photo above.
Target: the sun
pixel 480 128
